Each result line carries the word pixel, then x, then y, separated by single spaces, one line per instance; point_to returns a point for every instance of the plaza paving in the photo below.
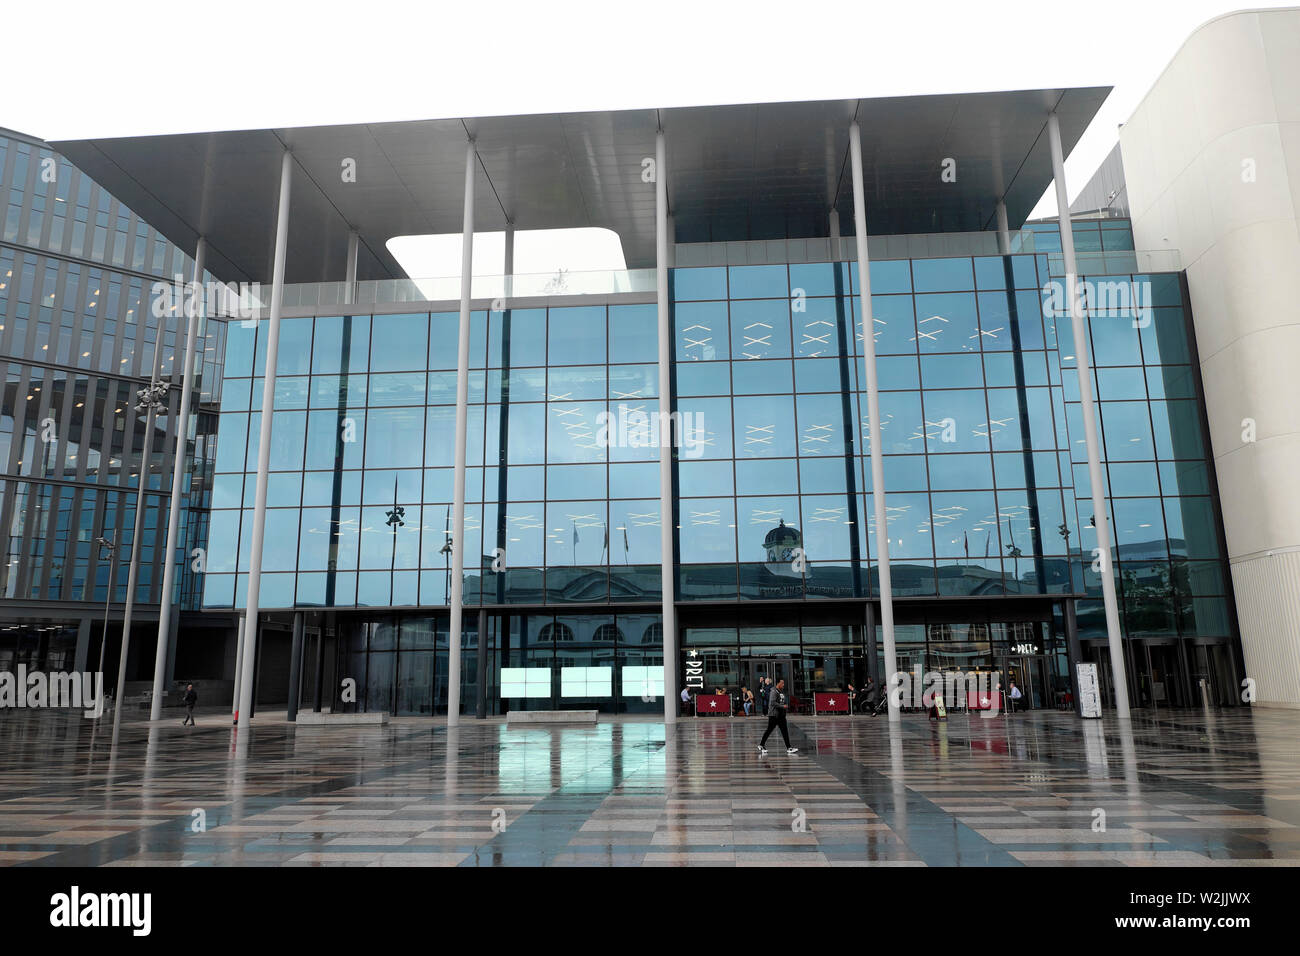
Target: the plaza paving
pixel 1189 787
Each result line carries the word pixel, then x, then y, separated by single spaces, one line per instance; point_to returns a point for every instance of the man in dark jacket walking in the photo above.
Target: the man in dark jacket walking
pixel 776 718
pixel 191 698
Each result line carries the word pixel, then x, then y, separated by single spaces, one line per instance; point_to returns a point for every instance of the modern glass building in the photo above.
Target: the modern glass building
pixel 77 337
pixel 773 558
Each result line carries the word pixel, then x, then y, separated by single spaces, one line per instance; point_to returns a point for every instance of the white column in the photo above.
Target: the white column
pixel 873 412
pixel 507 285
pixel 239 666
pixel 665 433
pixel 350 291
pixel 1004 230
pixel 249 663
pixel 462 405
pixel 195 307
pixel 1100 506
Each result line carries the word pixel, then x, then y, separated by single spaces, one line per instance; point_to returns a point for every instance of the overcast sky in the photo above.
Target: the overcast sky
pixel 81 69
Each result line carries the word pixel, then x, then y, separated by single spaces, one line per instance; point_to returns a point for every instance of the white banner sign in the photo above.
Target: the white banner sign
pixel 1089 691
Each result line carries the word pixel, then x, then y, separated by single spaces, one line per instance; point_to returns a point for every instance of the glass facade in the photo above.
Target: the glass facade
pixel 985 470
pixel 77 335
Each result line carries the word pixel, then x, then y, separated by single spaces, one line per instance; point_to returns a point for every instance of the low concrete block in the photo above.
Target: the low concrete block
pixel 551 717
pixel 310 718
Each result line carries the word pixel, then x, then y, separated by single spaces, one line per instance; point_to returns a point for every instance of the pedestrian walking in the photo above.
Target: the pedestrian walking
pixel 776 718
pixel 1015 697
pixel 191 698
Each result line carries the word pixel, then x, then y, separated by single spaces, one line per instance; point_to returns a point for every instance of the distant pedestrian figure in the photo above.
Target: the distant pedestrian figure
pixel 776 718
pixel 191 698
pixel 1015 697
pixel 686 701
pixel 747 700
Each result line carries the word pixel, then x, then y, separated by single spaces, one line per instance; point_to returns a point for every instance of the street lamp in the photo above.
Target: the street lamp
pixel 445 550
pixel 394 521
pixel 111 548
pixel 153 398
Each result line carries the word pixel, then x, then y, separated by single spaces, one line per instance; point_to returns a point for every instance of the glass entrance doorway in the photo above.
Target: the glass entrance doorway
pixel 1160 676
pixel 1032 674
pixel 754 669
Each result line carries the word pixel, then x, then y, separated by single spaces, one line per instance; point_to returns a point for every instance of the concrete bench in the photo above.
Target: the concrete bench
pixel 309 718
pixel 551 717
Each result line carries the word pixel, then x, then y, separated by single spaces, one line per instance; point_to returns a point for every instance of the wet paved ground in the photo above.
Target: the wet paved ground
pixel 1038 789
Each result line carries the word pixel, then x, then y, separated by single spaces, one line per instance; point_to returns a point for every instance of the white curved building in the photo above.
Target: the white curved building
pixel 1212 166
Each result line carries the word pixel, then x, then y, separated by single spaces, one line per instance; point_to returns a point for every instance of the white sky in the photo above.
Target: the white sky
pixel 134 67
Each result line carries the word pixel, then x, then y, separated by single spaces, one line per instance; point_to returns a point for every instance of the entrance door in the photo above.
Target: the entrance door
pixel 754 669
pixel 1161 678
pixel 1213 676
pixel 1032 676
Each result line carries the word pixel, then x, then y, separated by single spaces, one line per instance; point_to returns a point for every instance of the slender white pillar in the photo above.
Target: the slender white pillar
pixel 141 483
pixel 239 666
pixel 195 306
pixel 462 406
pixel 249 663
pixel 1004 230
pixel 873 413
pixel 1088 409
pixel 354 245
pixel 508 284
pixel 665 432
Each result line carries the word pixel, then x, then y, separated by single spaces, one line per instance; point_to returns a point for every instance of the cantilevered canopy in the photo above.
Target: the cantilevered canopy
pixel 759 171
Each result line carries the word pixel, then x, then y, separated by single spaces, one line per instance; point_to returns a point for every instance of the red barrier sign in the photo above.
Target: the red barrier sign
pixel 982 700
pixel 830 703
pixel 711 704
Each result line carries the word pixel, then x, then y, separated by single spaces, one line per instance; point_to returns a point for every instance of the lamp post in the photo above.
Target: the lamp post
pixel 111 548
pixel 153 398
pixel 394 521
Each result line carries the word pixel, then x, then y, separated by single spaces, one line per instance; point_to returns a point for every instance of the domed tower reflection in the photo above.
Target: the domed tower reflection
pixel 783 545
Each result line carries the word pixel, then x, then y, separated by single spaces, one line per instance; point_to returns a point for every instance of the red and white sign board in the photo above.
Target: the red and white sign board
pixel 830 703
pixel 982 700
pixel 707 705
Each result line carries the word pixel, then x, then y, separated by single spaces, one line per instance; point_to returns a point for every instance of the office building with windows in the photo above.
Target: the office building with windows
pixel 78 338
pixel 828 422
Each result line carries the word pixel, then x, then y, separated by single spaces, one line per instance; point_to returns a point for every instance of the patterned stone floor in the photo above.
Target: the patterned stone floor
pixel 1036 789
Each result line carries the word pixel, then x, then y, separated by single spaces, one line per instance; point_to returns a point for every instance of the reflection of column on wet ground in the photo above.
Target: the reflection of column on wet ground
pixel 150 765
pixel 670 759
pixel 111 773
pixel 897 777
pixel 1128 753
pixel 236 794
pixel 1094 748
pixel 451 769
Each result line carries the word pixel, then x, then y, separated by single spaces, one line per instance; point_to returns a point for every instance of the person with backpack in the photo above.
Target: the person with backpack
pixel 776 706
pixel 191 699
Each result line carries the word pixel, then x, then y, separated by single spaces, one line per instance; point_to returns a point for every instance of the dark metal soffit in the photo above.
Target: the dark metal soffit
pixel 735 172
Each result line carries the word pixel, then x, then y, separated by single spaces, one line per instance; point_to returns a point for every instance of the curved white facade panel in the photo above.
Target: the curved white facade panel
pixel 1212 159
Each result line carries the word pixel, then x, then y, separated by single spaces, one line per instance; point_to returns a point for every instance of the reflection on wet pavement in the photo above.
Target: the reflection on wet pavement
pixel 1042 788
